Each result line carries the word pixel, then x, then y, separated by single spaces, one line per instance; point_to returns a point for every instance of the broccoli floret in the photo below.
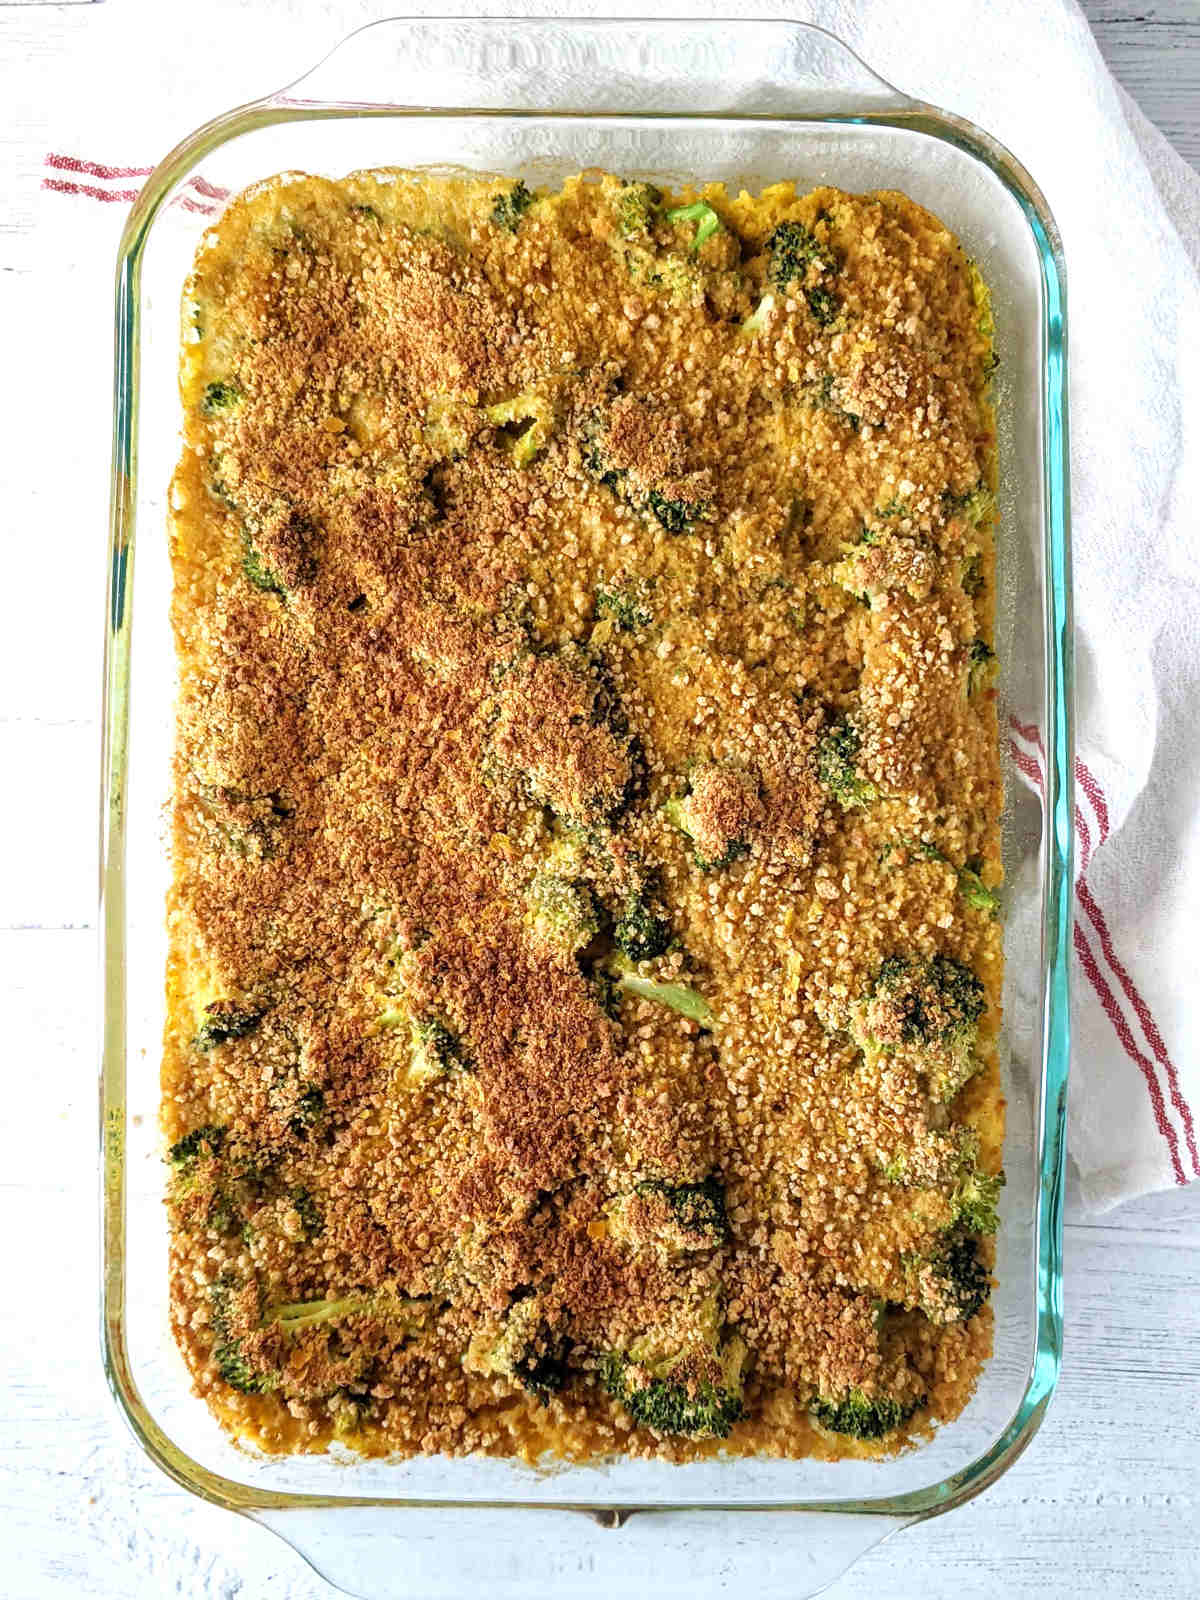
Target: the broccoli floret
pixel 406 1315
pixel 697 1393
pixel 508 208
pixel 561 913
pixel 862 1416
pixel 717 814
pixel 623 601
pixel 951 1284
pixel 837 756
pixel 532 418
pixel 796 255
pixel 931 1001
pixel 702 214
pixel 594 452
pixel 434 1049
pixel 308 1111
pixel 201 1141
pixel 977 505
pixel 975 892
pixel 237 1316
pixel 638 206
pixel 256 570
pixel 225 1020
pixel 793 248
pixel 933 1004
pixel 675 996
pixel 560 730
pixel 975 1201
pixel 525 1350
pixel 676 516
pixel 948 1159
pixel 970 884
pixel 232 1361
pixel 981 666
pixel 637 933
pixel 972 575
pixel 278 542
pixel 697 1210
pixel 206 1190
pixel 221 397
pixel 309 1212
pixel 758 318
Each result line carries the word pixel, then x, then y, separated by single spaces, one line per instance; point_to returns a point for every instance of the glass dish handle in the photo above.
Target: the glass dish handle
pixel 393 1553
pixel 600 67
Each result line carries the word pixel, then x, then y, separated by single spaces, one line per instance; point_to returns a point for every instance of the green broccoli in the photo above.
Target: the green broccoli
pixel 702 214
pixel 676 996
pixel 819 394
pixel 406 1315
pixel 525 1350
pixel 932 1003
pixel 225 1020
pixel 696 1393
pixel 508 208
pixel 623 601
pixel 306 1208
pixel 717 813
pixel 221 397
pixel 593 449
pixel 824 306
pixel 235 1365
pixel 434 1050
pixel 796 255
pixel 237 1316
pixel 697 1210
pixel 255 568
pixel 972 575
pixel 278 541
pixel 528 420
pixel 757 320
pixel 977 505
pixel 207 1190
pixel 970 884
pixel 862 1416
pixel 837 757
pixel 981 666
pixel 975 892
pixel 676 516
pixel 200 1142
pixel 561 913
pixel 975 1200
pixel 638 933
pixel 948 1159
pixel 638 206
pixel 950 1284
pixel 308 1110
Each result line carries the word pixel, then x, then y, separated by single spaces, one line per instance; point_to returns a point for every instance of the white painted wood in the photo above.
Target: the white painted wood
pixel 1153 50
pixel 1105 1504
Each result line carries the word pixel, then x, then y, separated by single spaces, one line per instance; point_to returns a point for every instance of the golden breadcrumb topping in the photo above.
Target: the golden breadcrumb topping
pixel 584 958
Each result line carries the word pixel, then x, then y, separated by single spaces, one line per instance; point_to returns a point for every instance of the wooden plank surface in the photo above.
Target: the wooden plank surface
pixel 1153 51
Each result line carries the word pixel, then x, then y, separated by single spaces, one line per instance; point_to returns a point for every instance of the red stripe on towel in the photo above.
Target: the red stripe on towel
pixel 1113 1012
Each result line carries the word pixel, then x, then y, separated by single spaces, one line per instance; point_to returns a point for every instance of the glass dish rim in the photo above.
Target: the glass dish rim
pixel 893 110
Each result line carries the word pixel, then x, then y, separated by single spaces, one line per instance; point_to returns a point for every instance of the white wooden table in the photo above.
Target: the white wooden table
pixel 1105 1504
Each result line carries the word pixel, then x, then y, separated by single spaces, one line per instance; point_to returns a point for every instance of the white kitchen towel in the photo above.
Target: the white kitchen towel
pixel 1129 211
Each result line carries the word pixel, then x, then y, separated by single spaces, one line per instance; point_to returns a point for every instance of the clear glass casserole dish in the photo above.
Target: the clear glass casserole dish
pixel 750 103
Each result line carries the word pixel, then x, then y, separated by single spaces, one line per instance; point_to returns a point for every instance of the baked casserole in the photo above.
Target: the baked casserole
pixel 585 962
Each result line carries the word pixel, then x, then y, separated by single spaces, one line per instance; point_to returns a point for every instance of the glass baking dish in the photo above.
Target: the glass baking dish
pixel 750 103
